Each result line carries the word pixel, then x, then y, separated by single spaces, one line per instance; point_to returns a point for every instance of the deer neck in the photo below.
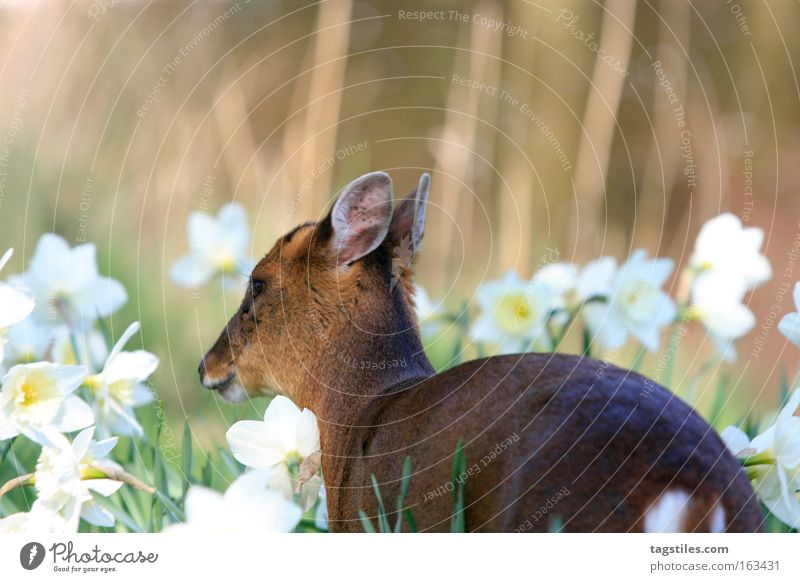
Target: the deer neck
pixel 356 366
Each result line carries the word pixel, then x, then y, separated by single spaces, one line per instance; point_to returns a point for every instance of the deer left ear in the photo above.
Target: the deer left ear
pixel 408 220
pixel 361 216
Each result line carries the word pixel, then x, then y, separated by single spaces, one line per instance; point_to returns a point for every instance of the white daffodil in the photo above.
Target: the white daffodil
pixel 14 305
pixel 429 313
pixel 717 303
pixel 282 442
pixel 596 279
pixel 790 324
pixel 724 246
pixel 119 387
pixel 38 397
pixel 28 341
pixel 67 473
pixel 39 520
pixel 66 285
pixel 248 506
pixel 217 246
pixel 514 314
pixel 90 343
pixel 562 278
pixel 636 305
pixel 774 461
pixel 321 514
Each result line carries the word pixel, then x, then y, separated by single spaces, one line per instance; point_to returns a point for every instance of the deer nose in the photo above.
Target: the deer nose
pixel 201 370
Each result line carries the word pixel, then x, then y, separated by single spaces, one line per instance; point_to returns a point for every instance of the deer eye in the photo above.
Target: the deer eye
pixel 258 286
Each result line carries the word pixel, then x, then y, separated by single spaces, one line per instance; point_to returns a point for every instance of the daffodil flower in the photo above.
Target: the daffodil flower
pixel 790 324
pixel 14 305
pixel 717 303
pixel 248 506
pixel 29 341
pixel 562 278
pixel 724 245
pixel 90 344
pixel 67 474
pixel 596 279
pixel 39 520
pixel 429 313
pixel 285 438
pixel 39 397
pixel 773 461
pixel 321 513
pixel 119 387
pixel 635 305
pixel 66 285
pixel 514 314
pixel 217 246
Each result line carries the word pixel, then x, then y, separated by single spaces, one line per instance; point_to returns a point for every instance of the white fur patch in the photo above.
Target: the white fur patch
pixel 667 514
pixel 717 520
pixel 233 393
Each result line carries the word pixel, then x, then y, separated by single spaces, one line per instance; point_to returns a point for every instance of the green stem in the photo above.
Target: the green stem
pixel 764 458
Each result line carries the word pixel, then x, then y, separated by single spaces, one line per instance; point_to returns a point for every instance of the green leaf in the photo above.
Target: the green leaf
pixel 556 524
pixel 412 524
pixel 101 323
pixel 206 473
pixel 719 400
pixel 170 506
pixel 309 526
pixel 117 512
pixel 7 450
pixel 457 524
pixel 365 522
pixel 233 465
pixel 587 342
pixel 187 460
pixel 130 502
pixel 405 482
pixel 383 522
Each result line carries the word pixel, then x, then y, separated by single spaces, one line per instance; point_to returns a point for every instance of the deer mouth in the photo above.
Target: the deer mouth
pixel 229 388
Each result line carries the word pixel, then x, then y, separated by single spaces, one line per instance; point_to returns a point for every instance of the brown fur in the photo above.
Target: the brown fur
pixel 337 340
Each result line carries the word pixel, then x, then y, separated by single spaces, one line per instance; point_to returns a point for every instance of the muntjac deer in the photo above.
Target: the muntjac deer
pixel 550 440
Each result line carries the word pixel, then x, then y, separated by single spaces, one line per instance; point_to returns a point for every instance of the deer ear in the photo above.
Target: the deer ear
pixel 360 218
pixel 408 220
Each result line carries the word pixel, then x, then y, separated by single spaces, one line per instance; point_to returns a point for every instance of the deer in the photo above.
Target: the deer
pixel 549 440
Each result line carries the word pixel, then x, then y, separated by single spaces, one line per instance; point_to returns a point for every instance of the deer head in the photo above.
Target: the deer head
pixel 331 300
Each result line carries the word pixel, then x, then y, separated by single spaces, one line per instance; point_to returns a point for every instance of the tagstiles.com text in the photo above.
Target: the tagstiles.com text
pixel 686 550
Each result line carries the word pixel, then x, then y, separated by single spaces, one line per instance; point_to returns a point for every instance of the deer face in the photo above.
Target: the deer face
pixel 302 295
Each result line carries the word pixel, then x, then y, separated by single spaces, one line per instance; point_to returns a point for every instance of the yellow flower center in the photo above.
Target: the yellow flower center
pixel 515 312
pixel 293 458
pixel 92 382
pixel 29 394
pixel 227 264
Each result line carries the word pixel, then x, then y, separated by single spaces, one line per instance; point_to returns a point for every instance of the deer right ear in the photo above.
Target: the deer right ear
pixel 408 220
pixel 360 218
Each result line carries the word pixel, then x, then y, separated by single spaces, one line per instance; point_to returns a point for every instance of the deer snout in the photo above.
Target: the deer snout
pixel 212 375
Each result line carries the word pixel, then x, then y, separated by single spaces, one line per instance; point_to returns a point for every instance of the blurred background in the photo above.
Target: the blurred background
pixel 553 130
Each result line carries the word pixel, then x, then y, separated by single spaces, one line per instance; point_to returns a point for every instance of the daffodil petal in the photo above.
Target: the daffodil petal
pixel 75 414
pixel 735 439
pixel 97 515
pixel 254 444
